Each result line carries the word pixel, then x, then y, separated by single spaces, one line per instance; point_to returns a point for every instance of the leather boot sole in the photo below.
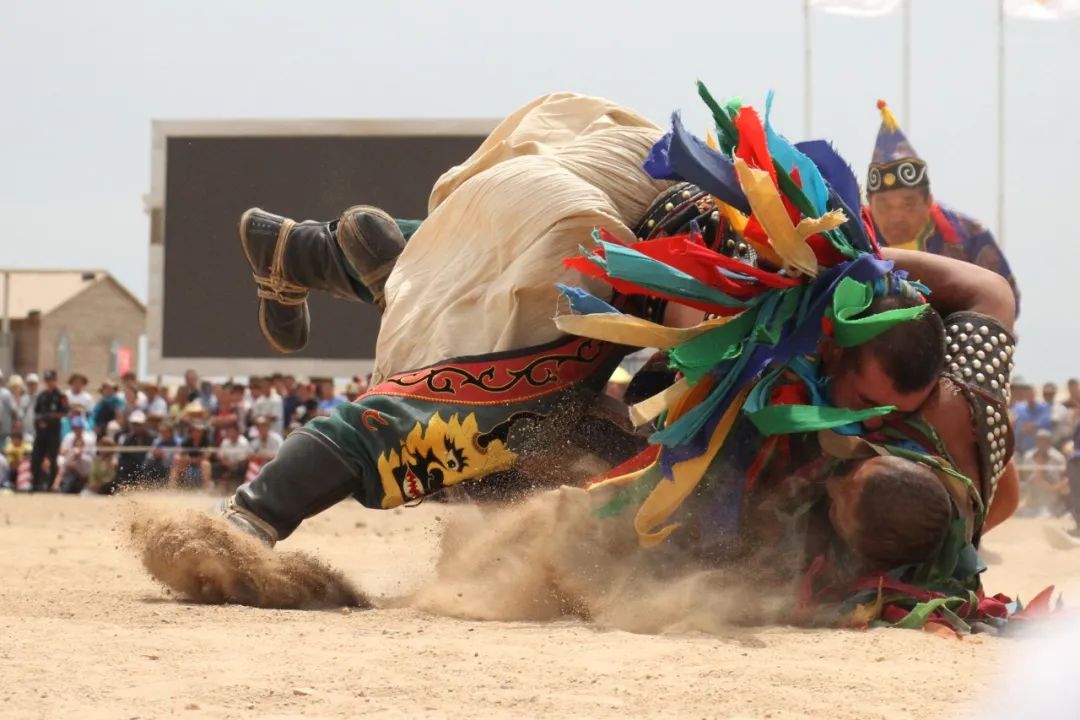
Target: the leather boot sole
pixel 283 312
pixel 372 242
pixel 246 521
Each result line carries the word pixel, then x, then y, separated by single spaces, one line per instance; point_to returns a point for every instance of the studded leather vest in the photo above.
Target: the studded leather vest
pixel 979 359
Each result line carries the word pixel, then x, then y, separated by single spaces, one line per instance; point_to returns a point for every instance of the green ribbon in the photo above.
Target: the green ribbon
pixel 727 137
pixel 789 419
pixel 919 614
pixel 697 356
pixel 632 495
pixel 852 298
pixel 793 192
pixel 775 312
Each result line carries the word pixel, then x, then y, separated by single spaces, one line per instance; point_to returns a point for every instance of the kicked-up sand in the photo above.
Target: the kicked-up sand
pixel 516 615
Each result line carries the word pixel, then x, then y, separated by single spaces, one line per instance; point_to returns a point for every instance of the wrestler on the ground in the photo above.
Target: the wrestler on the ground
pixel 808 493
pixel 749 392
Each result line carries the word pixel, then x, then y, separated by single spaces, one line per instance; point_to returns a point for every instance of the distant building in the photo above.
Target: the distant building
pixel 71 320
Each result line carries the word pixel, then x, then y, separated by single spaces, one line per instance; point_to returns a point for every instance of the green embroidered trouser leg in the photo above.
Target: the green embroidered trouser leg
pixel 420 432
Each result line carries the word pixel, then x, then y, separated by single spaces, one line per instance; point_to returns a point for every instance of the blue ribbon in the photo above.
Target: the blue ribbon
pixel 679 155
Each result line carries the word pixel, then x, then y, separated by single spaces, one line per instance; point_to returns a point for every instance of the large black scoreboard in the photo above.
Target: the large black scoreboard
pixel 202 310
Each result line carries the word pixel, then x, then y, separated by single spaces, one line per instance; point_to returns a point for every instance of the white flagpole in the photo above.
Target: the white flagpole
pixel 807 74
pixel 906 70
pixel 1001 125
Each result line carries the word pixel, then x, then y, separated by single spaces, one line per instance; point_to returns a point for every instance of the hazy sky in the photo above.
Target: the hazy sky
pixel 81 81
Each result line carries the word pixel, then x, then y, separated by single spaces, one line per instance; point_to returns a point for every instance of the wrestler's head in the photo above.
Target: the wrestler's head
pixel 889 511
pixel 900 367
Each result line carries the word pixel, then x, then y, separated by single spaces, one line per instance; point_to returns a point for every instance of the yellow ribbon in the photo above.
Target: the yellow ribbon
pixel 789 241
pixel 862 615
pixel 620 480
pixel 630 330
pixel 650 408
pixel 735 218
pixel 668 495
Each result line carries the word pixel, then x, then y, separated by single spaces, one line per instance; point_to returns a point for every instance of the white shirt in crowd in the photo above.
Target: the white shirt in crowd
pixel 83 399
pixel 1061 416
pixel 1054 459
pixel 234 451
pixel 270 406
pixel 24 410
pixel 28 412
pixel 77 459
pixel 157 406
pixel 272 444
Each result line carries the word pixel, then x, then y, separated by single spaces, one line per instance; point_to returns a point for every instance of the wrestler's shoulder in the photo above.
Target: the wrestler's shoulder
pixel 948 409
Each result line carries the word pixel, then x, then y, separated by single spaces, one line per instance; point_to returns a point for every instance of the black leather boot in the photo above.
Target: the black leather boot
pixel 308 475
pixel 372 241
pixel 288 258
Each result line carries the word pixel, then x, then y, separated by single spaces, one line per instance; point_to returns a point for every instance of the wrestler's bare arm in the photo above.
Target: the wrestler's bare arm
pixel 950 415
pixel 956 285
pixel 1006 499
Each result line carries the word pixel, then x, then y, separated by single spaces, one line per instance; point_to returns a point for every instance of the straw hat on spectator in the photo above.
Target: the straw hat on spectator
pixel 16 382
pixel 194 409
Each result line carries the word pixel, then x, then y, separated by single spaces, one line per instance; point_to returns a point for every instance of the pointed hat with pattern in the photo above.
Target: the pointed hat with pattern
pixel 895 164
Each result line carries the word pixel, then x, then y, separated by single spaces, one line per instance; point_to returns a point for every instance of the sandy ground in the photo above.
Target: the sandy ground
pixel 85 632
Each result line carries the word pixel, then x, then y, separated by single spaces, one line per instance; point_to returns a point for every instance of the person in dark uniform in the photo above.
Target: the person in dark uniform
pixel 50 407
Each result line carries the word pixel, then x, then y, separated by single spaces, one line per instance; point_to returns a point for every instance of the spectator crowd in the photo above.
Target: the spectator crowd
pixel 216 436
pixel 200 434
pixel 1046 425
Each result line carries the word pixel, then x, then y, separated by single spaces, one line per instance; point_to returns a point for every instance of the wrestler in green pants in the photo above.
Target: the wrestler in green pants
pixel 418 432
pixel 505 417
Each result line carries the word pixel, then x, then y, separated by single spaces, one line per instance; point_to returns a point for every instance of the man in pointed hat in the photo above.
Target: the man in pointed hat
pixel 906 215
